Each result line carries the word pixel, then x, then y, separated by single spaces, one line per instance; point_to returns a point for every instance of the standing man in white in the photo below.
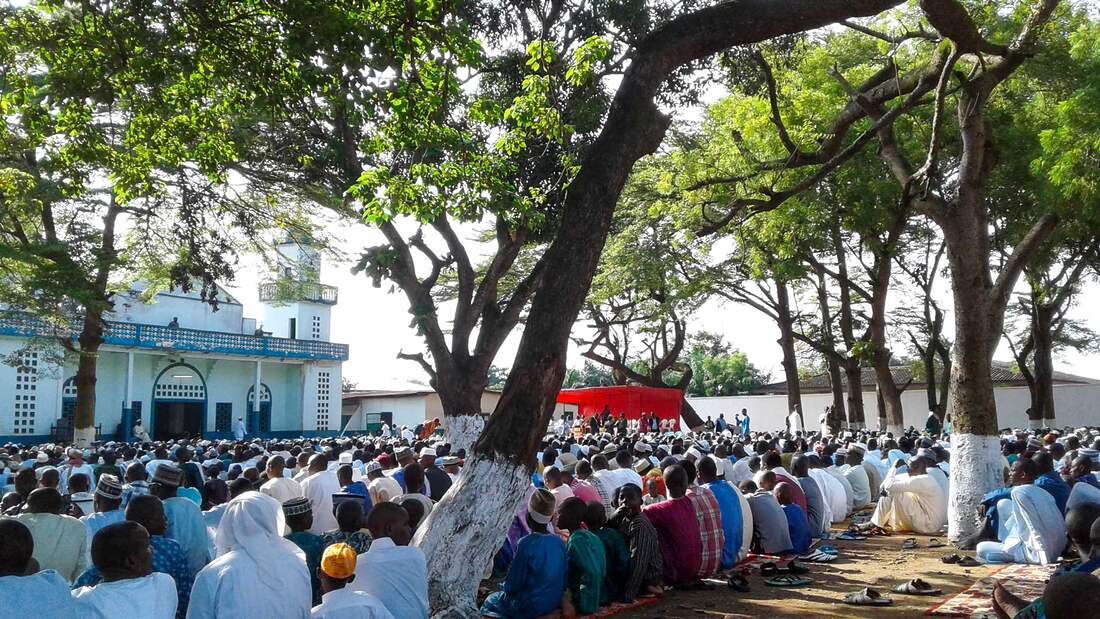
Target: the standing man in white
pixel 238 429
pixel 794 420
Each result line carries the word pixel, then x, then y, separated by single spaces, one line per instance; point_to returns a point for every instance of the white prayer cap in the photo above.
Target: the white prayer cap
pixel 427 451
pixel 694 453
pixel 345 457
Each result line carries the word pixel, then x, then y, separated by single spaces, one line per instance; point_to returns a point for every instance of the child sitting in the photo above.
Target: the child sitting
pixel 615 550
pixel 587 560
pixel 536 581
pixel 797 524
pixel 654 494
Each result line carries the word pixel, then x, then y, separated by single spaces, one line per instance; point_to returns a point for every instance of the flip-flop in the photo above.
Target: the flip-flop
pixel 968 562
pixel 738 583
pixel 794 568
pixel 787 581
pixel 818 557
pixel 769 569
pixel 829 550
pixel 909 544
pixel 867 597
pixel 951 559
pixel 935 543
pixel 852 537
pixel 916 587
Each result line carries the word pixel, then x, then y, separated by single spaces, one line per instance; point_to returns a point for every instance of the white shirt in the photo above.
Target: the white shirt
pixel 349 604
pixel 238 429
pixel 395 575
pixel 795 422
pixel 227 588
pixel 319 488
pixel 153 596
pixel 282 489
pixel 833 493
pixel 69 470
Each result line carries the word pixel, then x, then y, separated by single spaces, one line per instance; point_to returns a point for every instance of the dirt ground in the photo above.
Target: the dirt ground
pixel 878 562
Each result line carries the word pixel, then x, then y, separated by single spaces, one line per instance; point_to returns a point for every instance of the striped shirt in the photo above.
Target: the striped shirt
pixel 709 516
pixel 645 556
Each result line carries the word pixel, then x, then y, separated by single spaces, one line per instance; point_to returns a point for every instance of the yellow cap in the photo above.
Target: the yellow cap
pixel 338 561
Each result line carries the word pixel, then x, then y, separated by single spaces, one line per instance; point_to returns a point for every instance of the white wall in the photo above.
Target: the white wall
pixel 1076 405
pixel 192 312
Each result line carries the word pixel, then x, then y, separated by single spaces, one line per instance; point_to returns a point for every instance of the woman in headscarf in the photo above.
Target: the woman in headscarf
pixel 258 573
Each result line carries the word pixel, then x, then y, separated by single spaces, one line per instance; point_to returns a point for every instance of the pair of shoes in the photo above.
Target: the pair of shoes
pixel 867 597
pixel 960 561
pixel 916 587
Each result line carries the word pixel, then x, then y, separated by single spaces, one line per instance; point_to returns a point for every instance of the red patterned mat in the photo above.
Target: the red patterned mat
pixel 619 607
pixel 1026 581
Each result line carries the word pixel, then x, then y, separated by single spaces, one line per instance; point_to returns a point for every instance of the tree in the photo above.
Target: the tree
pixel 103 174
pixel 411 161
pixel 717 370
pixel 590 375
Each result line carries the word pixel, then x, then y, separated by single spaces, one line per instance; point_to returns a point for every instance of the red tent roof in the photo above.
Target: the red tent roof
pixel 631 400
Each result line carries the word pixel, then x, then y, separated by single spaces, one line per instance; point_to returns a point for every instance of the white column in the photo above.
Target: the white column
pixel 129 403
pixel 256 392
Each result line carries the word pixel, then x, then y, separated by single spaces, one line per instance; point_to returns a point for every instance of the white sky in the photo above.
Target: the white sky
pixel 375 322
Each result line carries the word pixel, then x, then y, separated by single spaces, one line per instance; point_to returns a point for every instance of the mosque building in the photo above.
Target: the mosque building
pixel 186 367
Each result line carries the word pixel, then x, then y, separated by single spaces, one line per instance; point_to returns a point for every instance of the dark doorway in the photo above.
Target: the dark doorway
pixel 176 420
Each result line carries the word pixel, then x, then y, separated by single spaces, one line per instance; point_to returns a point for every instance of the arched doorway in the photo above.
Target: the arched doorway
pixel 263 424
pixel 179 403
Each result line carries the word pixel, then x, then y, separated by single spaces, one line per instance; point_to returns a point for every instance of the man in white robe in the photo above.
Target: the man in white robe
pixel 319 487
pixel 258 573
pixel 238 429
pixel 60 542
pixel 837 473
pixel 857 476
pixel 1031 529
pixel 280 488
pixel 130 587
pixel 914 502
pixel 832 491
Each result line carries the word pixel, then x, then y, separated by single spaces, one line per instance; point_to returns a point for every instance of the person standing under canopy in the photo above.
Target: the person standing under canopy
pixel 258 573
pixel 129 586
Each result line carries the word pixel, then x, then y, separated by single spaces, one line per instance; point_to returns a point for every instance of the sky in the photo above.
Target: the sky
pixel 375 321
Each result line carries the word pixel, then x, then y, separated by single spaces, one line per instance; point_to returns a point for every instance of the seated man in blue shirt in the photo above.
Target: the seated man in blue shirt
pixel 797 524
pixel 537 578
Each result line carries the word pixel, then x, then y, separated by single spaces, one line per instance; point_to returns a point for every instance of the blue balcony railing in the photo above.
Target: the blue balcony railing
pixel 157 337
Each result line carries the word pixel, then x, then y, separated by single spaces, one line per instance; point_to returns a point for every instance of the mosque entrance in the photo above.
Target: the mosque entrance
pixel 179 403
pixel 175 420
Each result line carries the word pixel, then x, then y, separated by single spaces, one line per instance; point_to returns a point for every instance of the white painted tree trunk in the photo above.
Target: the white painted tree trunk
pixel 83 437
pixel 976 468
pixel 895 429
pixel 856 426
pixel 461 431
pixel 1034 424
pixel 1050 423
pixel 465 529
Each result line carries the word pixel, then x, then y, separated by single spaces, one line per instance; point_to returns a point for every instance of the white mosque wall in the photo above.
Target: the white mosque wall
pixel 1075 405
pixel 186 308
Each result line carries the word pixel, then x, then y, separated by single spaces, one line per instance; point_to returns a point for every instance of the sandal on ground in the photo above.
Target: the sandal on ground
pixel 769 570
pixel 968 562
pixel 787 581
pixel 867 597
pixel 935 543
pixel 852 537
pixel 951 559
pixel 909 543
pixel 739 583
pixel 916 587
pixel 877 530
pixel 829 550
pixel 794 568
pixel 696 585
pixel 818 557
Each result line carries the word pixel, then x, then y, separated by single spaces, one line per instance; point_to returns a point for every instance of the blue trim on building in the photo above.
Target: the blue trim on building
pixel 41 439
pixel 169 339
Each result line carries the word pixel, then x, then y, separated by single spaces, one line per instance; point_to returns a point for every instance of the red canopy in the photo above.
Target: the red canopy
pixel 631 400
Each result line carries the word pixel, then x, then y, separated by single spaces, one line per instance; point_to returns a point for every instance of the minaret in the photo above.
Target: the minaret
pixel 295 304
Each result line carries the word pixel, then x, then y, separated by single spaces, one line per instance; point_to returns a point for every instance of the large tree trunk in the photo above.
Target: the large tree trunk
pixel 462 419
pixel 853 377
pixel 836 384
pixel 89 341
pixel 786 343
pixel 1043 334
pixel 463 531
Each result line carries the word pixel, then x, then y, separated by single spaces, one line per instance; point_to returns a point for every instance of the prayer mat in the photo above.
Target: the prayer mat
pixel 1026 581
pixel 754 561
pixel 619 607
